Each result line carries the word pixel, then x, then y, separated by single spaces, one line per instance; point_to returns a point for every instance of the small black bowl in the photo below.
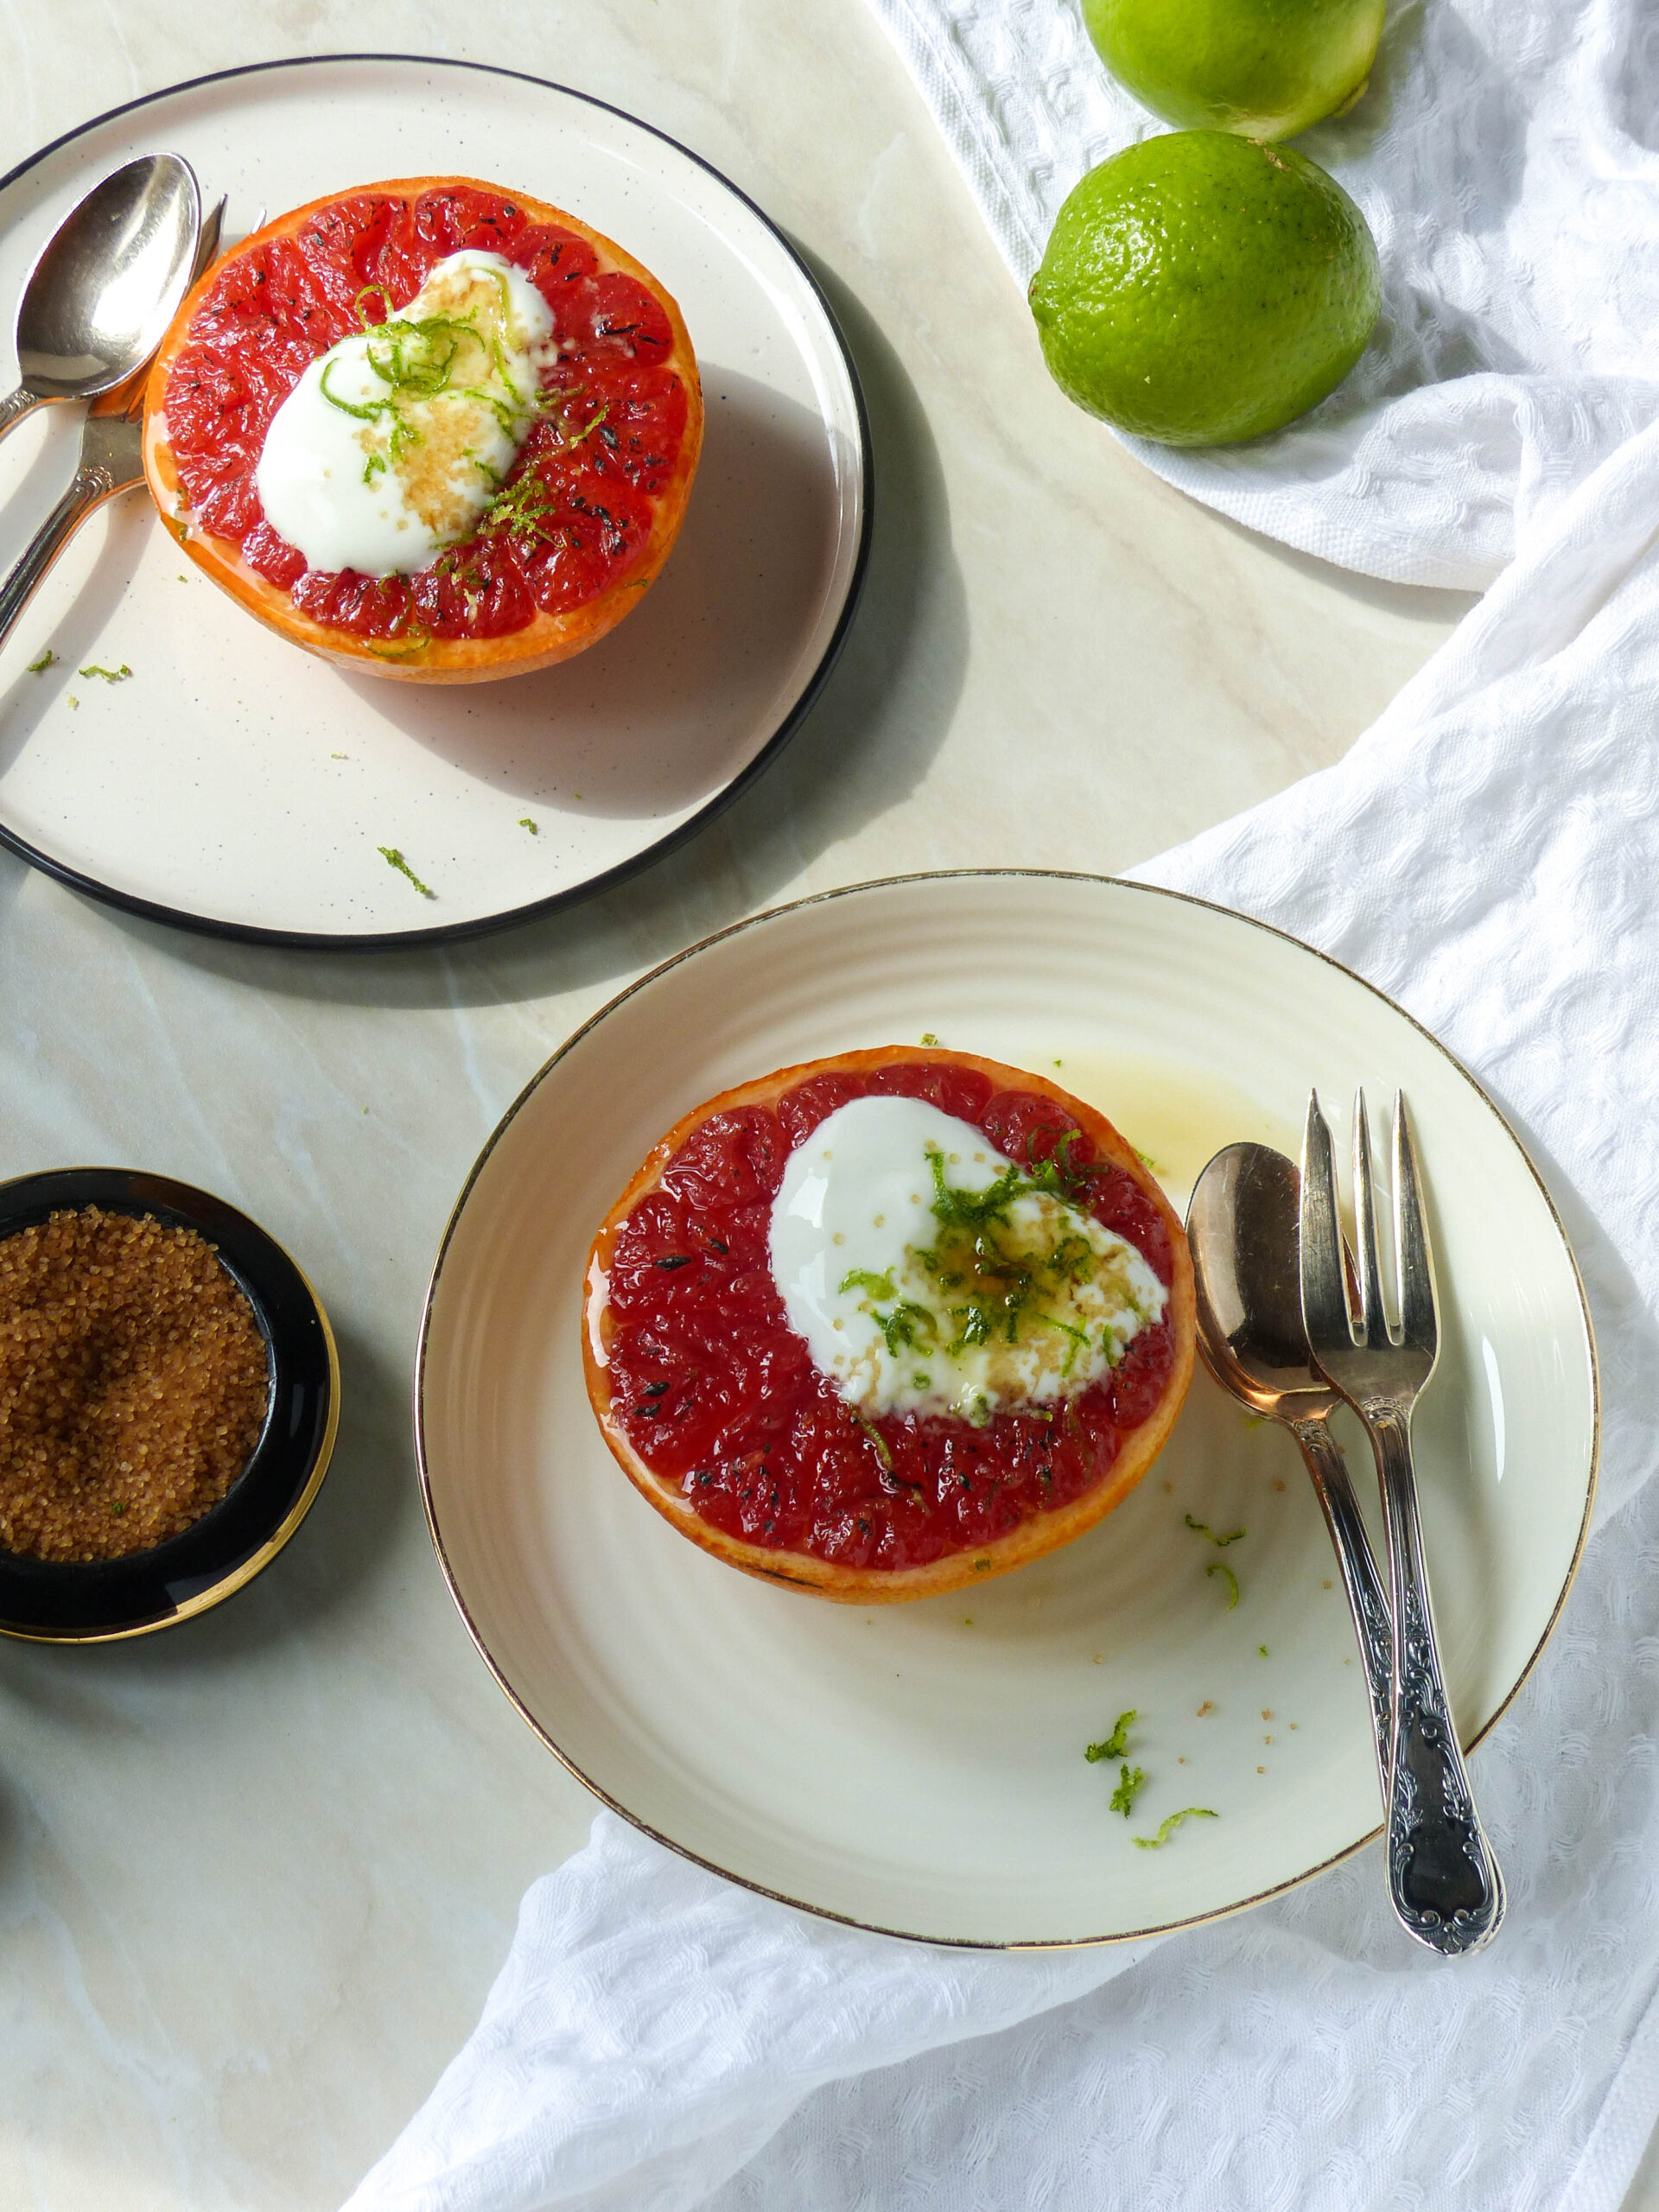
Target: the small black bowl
pixel 55 1601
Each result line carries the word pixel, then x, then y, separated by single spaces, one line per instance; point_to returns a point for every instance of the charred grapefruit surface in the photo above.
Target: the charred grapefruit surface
pixel 582 524
pixel 712 1404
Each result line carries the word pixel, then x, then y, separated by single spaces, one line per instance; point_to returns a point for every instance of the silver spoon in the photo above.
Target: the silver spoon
pixel 111 462
pixel 1242 1225
pixel 98 302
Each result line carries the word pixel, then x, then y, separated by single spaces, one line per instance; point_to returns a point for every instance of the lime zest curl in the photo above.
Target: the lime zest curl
pixel 1168 1827
pixel 1220 1567
pixel 1117 1742
pixel 1132 1779
pixel 1199 1529
pixel 393 858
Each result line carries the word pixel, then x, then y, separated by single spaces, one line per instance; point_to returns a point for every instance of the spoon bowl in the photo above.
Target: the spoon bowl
pixel 1243 1226
pixel 108 283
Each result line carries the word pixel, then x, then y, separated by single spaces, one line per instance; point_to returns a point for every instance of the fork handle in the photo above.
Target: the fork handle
pixel 91 485
pixel 1360 1578
pixel 1442 1876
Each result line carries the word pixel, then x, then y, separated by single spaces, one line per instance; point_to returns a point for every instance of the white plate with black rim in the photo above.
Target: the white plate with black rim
pixel 235 785
pixel 920 1769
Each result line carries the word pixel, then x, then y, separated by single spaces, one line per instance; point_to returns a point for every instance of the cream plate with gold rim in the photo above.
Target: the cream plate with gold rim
pixel 920 1768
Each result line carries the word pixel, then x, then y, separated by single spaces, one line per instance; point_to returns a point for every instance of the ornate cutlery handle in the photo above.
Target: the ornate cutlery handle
pixel 15 405
pixel 1359 1577
pixel 92 484
pixel 1442 1875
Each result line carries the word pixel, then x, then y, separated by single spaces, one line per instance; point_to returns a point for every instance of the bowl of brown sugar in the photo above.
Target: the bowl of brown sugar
pixel 169 1391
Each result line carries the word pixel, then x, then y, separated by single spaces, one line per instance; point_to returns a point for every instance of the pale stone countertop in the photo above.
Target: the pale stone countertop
pixel 256 1874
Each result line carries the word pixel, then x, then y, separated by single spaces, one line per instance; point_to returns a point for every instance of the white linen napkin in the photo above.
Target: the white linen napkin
pixel 1507 159
pixel 659 2040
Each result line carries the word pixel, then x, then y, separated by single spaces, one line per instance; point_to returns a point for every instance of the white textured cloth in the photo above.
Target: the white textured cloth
pixel 1490 854
pixel 1507 160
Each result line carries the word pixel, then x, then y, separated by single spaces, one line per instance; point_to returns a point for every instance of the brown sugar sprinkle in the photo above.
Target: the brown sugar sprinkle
pixel 133 1384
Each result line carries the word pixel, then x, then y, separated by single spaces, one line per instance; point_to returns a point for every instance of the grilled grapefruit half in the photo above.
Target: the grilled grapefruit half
pixel 577 530
pixel 864 1485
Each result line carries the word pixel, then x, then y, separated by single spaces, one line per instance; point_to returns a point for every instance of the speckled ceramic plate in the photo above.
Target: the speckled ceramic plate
pixel 236 784
pixel 920 1768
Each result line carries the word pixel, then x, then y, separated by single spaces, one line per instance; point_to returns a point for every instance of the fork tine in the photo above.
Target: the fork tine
pixel 1419 1307
pixel 1325 1288
pixel 1373 1316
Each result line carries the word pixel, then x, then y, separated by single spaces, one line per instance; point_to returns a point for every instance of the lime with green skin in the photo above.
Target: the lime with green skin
pixel 1264 68
pixel 1199 289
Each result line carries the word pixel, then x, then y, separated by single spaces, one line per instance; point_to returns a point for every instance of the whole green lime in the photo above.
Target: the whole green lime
pixel 1265 68
pixel 1199 289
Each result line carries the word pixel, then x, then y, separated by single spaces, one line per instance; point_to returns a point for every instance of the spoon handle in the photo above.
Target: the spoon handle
pixel 108 465
pixel 15 405
pixel 1360 1577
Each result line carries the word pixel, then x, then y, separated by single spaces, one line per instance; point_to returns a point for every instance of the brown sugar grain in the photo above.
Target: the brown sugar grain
pixel 133 1384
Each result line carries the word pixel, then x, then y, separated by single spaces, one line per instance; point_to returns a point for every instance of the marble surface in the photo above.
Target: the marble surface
pixel 255 1875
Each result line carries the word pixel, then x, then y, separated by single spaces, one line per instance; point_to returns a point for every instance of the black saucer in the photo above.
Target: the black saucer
pixel 57 1602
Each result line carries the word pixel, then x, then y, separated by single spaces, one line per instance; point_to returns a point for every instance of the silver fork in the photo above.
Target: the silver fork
pixel 1442 1875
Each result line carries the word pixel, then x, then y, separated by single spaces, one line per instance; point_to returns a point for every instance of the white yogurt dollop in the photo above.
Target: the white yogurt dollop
pixel 394 442
pixel 909 1310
